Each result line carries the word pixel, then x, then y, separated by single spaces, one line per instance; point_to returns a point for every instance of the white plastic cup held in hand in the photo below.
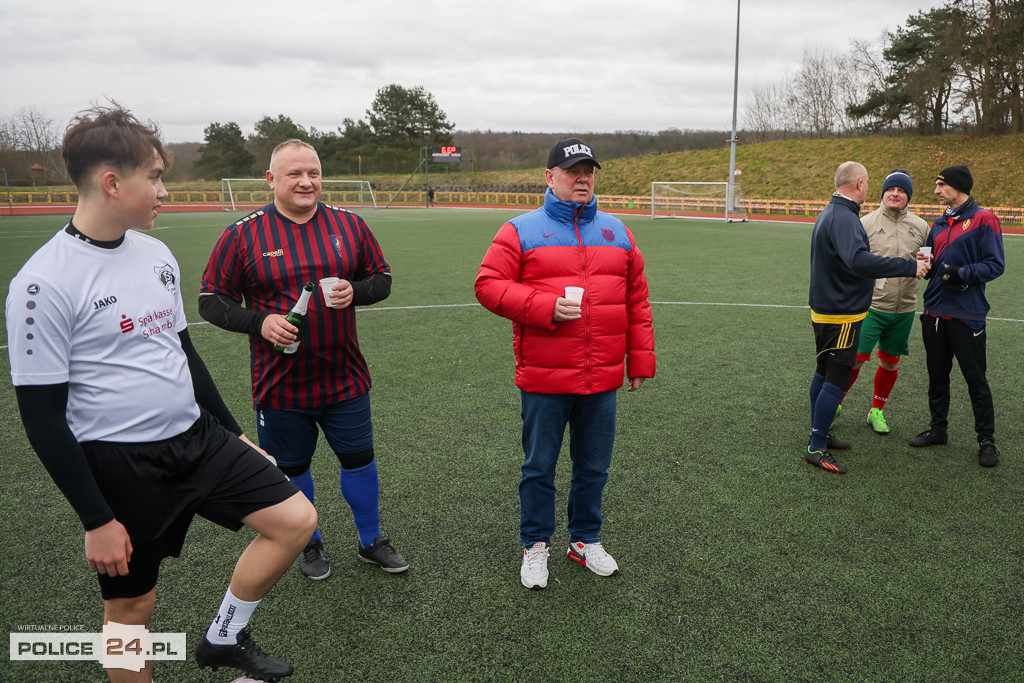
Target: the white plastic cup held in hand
pixel 880 283
pixel 326 285
pixel 927 251
pixel 574 294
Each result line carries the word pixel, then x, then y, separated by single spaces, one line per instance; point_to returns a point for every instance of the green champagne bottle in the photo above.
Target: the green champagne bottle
pixel 297 317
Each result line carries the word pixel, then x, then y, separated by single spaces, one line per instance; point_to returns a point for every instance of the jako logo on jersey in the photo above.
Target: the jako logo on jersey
pixel 126 324
pixel 105 301
pixel 276 252
pixel 608 234
pixel 577 149
pixel 33 289
pixel 166 275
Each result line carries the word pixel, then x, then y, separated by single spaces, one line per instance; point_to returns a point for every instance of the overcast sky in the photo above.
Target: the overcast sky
pixel 525 65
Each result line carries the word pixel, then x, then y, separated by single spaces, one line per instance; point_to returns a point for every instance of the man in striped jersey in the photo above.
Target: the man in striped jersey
pixel 253 278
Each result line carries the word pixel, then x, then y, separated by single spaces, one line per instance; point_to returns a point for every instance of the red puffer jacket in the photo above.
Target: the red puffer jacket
pixel 531 261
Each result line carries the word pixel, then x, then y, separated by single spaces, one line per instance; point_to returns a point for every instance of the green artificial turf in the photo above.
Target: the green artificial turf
pixel 739 562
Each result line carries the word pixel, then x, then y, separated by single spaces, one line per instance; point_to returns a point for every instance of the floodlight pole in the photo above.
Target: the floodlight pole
pixel 10 205
pixel 730 193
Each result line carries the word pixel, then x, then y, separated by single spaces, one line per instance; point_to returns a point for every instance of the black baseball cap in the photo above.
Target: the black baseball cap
pixel 569 152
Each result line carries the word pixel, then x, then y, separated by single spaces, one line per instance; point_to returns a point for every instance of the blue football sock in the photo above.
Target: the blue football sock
pixel 304 482
pixel 824 413
pixel 361 491
pixel 816 383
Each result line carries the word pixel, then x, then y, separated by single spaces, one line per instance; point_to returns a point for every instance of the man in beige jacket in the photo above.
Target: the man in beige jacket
pixel 892 231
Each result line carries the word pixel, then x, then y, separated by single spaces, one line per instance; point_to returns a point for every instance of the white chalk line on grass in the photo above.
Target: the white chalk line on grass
pixel 653 303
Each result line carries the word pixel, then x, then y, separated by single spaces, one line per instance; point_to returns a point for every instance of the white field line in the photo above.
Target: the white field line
pixel 653 303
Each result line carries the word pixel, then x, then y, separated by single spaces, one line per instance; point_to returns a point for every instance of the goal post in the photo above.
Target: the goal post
pixel 249 193
pixel 707 200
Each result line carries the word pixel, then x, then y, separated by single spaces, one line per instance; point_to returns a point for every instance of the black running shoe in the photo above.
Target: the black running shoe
pixel 929 437
pixel 988 456
pixel 312 561
pixel 381 553
pixel 824 460
pixel 245 654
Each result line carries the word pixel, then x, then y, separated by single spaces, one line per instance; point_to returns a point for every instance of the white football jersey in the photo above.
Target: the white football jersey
pixel 106 321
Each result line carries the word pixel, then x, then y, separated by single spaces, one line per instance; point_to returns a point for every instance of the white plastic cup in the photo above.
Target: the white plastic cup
pixel 326 285
pixel 574 294
pixel 927 251
pixel 880 283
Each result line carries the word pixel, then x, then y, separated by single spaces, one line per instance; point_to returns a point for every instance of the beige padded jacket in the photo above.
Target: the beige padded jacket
pixel 895 233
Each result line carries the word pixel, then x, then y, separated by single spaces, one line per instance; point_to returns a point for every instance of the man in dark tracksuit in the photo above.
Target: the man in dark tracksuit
pixel 967 250
pixel 842 270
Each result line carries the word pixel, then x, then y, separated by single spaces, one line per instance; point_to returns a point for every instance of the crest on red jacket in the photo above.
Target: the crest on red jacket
pixel 608 234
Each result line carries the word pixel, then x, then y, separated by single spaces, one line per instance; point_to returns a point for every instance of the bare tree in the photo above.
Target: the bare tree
pixel 819 92
pixel 814 101
pixel 771 113
pixel 29 130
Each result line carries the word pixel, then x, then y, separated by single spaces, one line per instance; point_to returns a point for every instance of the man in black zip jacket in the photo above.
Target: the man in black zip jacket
pixel 967 249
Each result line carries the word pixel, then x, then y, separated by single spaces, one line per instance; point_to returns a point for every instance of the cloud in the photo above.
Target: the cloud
pixel 530 66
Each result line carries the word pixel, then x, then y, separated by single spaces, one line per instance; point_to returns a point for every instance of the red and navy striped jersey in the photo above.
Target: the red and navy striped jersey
pixel 264 260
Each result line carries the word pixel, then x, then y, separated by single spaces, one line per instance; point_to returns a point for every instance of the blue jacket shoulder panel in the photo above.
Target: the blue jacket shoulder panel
pixel 555 224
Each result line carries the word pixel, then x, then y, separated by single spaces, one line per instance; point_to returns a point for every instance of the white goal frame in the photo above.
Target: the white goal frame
pixel 699 200
pixel 339 192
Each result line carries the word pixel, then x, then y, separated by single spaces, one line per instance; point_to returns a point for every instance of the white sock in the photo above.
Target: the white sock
pixel 232 617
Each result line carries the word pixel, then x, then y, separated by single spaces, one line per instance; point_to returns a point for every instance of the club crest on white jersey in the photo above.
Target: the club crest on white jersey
pixel 166 275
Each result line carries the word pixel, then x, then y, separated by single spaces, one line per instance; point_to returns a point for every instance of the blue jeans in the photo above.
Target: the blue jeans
pixel 591 420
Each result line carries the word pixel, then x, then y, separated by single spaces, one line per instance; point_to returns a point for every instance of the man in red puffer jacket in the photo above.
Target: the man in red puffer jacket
pixel 571 356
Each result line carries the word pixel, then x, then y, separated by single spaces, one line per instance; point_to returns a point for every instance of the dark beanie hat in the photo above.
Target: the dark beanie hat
pixel 899 177
pixel 957 177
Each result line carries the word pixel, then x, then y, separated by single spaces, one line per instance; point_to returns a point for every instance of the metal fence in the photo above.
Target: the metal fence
pixel 774 208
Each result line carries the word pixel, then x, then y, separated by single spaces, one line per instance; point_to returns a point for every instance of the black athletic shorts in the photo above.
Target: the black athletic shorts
pixel 155 489
pixel 837 343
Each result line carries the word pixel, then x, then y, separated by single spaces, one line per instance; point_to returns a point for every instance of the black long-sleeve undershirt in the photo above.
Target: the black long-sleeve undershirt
pixel 43 410
pixel 205 390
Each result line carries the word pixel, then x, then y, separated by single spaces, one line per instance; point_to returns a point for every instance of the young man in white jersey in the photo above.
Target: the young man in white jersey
pixel 122 411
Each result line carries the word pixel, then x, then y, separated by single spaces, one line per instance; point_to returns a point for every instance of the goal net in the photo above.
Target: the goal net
pixel 238 194
pixel 698 200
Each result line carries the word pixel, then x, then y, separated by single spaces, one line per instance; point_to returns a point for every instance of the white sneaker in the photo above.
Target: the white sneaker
pixel 534 572
pixel 594 557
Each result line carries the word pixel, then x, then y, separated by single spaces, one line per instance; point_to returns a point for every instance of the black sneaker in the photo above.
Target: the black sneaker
pixel 824 460
pixel 833 444
pixel 245 654
pixel 988 456
pixel 930 437
pixel 381 553
pixel 312 561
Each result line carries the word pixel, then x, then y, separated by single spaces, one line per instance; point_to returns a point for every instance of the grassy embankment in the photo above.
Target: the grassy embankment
pixel 800 169
pixel 786 169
